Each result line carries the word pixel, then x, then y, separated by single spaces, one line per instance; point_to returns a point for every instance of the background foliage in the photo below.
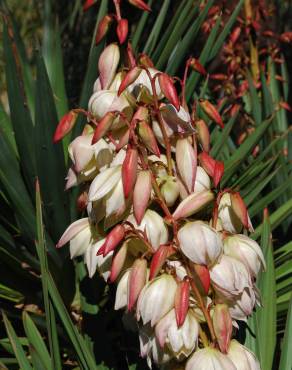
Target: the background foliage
pixel 53 316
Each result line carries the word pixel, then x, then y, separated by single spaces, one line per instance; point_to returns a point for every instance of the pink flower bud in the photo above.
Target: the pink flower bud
pixel 72 230
pixel 208 163
pixel 107 64
pixel 118 262
pixel 159 258
pixel 137 280
pixel 197 66
pixel 218 172
pixel 141 114
pixel 140 4
pixel 148 137
pixel 113 239
pixel 204 275
pixel 203 134
pixel 192 204
pixel 168 89
pixel 88 4
pixel 130 77
pixel 145 61
pixel 122 30
pixel 239 209
pixel 103 126
pixel 65 125
pixel 141 196
pixel 123 140
pixel 211 111
pixel 181 302
pixel 129 170
pixel 186 160
pixel 205 248
pixel 222 326
pixel 103 28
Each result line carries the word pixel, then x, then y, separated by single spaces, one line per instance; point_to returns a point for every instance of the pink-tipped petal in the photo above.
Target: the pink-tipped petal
pixel 168 89
pixel 208 163
pixel 118 262
pixel 186 160
pixel 239 209
pixel 218 172
pixel 65 125
pixel 222 322
pixel 181 301
pixel 192 204
pixel 130 77
pixel 204 276
pixel 141 194
pixel 103 126
pixel 148 138
pixel 211 111
pixel 72 231
pixel 129 170
pixel 107 64
pixel 136 282
pixel 159 258
pixel 203 135
pixel 113 239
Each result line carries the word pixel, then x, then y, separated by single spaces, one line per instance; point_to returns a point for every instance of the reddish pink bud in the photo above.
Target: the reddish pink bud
pixel 211 111
pixel 239 208
pixel 203 134
pixel 130 77
pixel 234 109
pixel 285 106
pixel 148 138
pixel 168 89
pixel 197 66
pixel 218 172
pixel 129 170
pixel 181 301
pixel 208 163
pixel 204 276
pixel 235 34
pixel 65 125
pixel 193 204
pixel 88 4
pixel 145 61
pixel 112 240
pixel 137 280
pixel 140 4
pixel 122 30
pixel 103 126
pixel 123 140
pixel 118 262
pixel 103 28
pixel 286 36
pixel 141 196
pixel 159 258
pixel 222 323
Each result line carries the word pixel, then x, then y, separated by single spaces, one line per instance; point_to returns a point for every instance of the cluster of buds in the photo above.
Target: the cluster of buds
pixel 158 222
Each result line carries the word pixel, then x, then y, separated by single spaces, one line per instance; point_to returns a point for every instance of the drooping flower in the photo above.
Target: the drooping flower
pixel 209 359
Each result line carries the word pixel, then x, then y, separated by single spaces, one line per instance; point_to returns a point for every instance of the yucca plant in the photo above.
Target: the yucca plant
pixel 54 316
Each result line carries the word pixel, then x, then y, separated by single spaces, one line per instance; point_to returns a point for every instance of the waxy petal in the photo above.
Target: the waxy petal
pixel 186 162
pixel 141 196
pixel 118 262
pixel 203 274
pixel 104 182
pixel 112 240
pixel 203 135
pixel 222 323
pixel 103 126
pixel 181 302
pixel 148 138
pixel 107 64
pixel 130 77
pixel 137 280
pixel 239 208
pixel 159 258
pixel 122 30
pixel 193 203
pixel 168 89
pixel 72 231
pixel 129 170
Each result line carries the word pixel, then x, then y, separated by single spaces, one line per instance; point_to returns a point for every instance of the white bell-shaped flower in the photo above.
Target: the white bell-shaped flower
pixel 200 243
pixel 181 341
pixel 209 359
pixel 100 263
pixel 244 305
pixel 246 251
pixel 156 299
pixel 242 357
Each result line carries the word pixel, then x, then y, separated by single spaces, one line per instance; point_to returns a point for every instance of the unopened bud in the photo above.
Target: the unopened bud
pixel 103 28
pixel 211 111
pixel 203 135
pixel 159 258
pixel 181 302
pixel 222 326
pixel 239 208
pixel 186 160
pixel 140 4
pixel 193 203
pixel 122 30
pixel 137 280
pixel 107 64
pixel 65 125
pixel 118 262
pixel 148 137
pixel 112 240
pixel 168 89
pixel 129 170
pixel 203 274
pixel 103 126
pixel 130 77
pixel 197 66
pixel 141 194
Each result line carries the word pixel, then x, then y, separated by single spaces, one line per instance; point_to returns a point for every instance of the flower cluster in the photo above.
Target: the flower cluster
pixel 158 222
